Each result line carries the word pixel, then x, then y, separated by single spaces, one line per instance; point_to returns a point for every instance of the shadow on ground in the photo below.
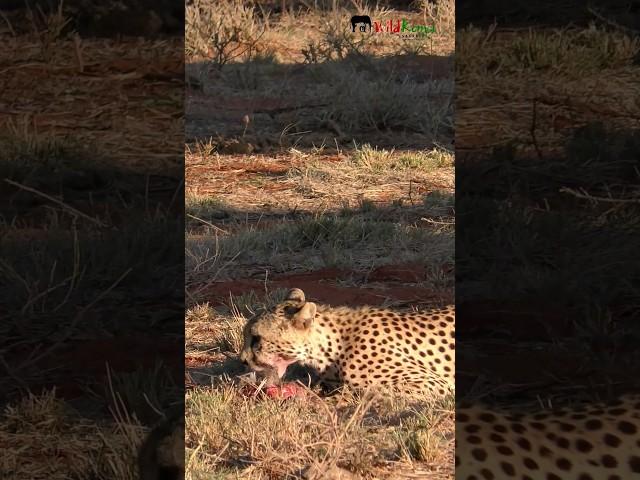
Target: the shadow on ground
pixel 402 101
pixel 547 269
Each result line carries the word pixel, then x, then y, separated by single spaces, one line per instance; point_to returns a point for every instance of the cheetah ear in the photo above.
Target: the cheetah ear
pixel 296 297
pixel 303 318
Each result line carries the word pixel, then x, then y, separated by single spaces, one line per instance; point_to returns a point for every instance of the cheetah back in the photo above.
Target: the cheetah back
pixel 588 442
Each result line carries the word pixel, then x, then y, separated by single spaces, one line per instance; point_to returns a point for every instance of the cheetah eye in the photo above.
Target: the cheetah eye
pixel 255 339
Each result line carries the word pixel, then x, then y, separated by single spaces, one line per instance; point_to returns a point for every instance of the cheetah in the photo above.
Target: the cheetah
pixel 597 441
pixel 411 352
pixel 161 456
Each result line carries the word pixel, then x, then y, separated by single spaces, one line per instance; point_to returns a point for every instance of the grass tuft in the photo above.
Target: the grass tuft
pixel 76 447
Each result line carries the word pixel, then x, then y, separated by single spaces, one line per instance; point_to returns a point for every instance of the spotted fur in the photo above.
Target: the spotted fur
pixel 410 351
pixel 599 441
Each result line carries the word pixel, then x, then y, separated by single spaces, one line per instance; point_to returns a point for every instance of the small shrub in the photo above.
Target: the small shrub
pixel 222 30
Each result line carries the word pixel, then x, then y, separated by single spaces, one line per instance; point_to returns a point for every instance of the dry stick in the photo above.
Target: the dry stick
pixel 533 129
pixel 13 32
pixel 208 223
pixel 76 267
pixel 24 65
pixel 77 43
pixel 188 294
pixel 586 196
pixel 436 222
pixel 411 192
pixel 175 194
pixel 55 200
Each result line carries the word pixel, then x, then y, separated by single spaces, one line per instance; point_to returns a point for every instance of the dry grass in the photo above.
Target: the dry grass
pixel 394 207
pixel 307 181
pixel 209 332
pixel 43 439
pixel 276 67
pixel 260 439
pixel 91 77
pixel 225 29
pixel 324 241
pixel 81 114
pixel 570 52
pixel 549 82
pixel 232 30
pixel 555 213
pixel 230 435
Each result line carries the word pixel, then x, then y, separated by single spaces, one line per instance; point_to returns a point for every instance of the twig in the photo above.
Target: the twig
pixel 77 44
pixel 411 192
pixel 436 222
pixel 208 223
pixel 246 120
pixel 75 211
pixel 533 129
pixel 586 196
pixel 175 194
pixel 76 267
pixel 23 65
pixel 152 406
pixel 13 32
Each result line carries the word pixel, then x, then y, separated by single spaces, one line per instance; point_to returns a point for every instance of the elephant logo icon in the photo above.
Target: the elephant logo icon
pixel 362 19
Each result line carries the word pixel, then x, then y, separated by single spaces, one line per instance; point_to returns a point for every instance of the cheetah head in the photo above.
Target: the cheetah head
pixel 275 339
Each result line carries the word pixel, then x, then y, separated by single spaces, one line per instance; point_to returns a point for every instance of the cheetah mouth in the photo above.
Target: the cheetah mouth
pixel 281 365
pixel 278 365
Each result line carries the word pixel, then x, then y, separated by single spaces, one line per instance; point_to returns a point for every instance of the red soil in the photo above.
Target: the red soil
pixel 321 286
